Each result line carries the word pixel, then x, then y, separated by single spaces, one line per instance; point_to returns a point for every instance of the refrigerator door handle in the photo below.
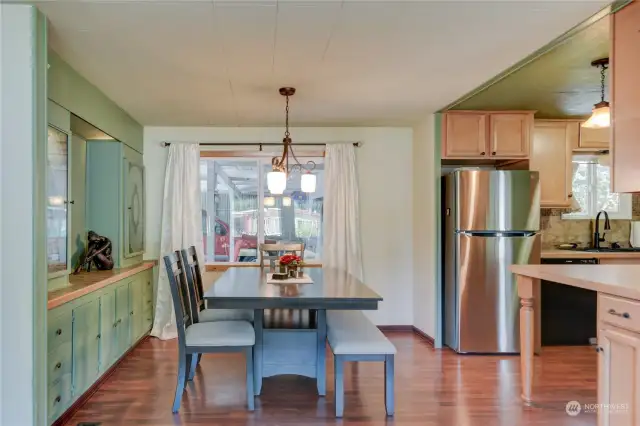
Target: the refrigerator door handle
pixel 498 233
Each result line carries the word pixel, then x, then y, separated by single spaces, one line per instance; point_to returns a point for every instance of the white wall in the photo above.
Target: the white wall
pixel 16 215
pixel 385 178
pixel 425 229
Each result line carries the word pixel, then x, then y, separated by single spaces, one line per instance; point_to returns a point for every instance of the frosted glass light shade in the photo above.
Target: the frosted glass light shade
pixel 269 201
pixel 276 182
pixel 286 201
pixel 308 182
pixel 600 117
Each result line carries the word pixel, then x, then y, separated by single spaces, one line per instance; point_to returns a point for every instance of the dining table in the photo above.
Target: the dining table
pixel 290 350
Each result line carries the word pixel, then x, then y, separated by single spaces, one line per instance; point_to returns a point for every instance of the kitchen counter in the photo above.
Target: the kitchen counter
pixel 88 282
pixel 618 343
pixel 617 280
pixel 576 254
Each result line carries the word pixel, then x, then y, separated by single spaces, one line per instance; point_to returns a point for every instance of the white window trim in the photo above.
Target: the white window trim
pixel 625 206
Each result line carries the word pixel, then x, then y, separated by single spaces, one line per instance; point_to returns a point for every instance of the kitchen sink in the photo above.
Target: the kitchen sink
pixel 611 250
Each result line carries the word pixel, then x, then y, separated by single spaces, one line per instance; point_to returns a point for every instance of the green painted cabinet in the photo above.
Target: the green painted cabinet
pixel 78 232
pixel 135 304
pixel 86 336
pixel 115 198
pixel 86 345
pixel 108 341
pixel 122 318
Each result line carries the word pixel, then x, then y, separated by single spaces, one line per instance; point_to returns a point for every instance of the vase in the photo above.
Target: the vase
pixel 293 272
pixel 283 269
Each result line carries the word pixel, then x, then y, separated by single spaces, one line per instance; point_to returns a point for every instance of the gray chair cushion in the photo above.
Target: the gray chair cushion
pixel 351 333
pixel 221 333
pixel 210 315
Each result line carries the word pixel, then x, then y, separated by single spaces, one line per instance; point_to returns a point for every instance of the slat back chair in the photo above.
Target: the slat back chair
pixel 194 281
pixel 272 252
pixel 179 294
pixel 195 339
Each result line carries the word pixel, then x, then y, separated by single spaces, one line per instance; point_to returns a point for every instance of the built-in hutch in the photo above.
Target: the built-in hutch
pixel 95 181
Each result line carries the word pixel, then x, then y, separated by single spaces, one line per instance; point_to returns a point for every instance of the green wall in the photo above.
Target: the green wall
pixel 72 91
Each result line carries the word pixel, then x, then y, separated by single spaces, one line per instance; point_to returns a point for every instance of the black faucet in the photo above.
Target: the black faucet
pixel 607 226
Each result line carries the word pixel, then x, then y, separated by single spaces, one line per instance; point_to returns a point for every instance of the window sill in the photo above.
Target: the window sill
pixel 221 267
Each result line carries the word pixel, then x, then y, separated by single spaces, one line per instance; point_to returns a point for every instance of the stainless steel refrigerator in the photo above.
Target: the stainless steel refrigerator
pixel 491 220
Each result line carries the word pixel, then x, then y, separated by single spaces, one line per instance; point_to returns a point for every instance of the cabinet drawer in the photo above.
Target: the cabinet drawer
pixel 59 329
pixel 621 312
pixel 59 397
pixel 58 363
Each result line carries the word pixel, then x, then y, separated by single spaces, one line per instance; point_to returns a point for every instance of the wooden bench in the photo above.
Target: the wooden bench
pixel 353 337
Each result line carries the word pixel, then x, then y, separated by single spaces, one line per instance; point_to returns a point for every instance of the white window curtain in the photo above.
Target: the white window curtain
pixel 341 247
pixel 181 225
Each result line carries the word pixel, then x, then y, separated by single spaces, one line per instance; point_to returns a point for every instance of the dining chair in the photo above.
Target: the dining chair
pixel 272 252
pixel 196 292
pixel 282 318
pixel 204 337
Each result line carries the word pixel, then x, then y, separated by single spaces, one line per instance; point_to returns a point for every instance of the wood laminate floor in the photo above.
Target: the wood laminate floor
pixel 433 387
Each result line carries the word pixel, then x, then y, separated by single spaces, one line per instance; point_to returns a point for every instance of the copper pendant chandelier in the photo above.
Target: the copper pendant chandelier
pixel 281 167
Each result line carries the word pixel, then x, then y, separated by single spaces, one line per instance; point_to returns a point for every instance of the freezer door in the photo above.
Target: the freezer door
pixel 497 200
pixel 488 303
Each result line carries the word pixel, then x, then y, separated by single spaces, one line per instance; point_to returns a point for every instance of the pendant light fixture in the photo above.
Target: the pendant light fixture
pixel 280 169
pixel 600 116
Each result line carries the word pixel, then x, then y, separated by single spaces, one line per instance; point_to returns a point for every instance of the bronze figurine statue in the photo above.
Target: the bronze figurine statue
pixel 98 253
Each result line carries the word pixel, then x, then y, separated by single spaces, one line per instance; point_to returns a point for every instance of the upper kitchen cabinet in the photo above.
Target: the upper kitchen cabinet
pixel 594 139
pixel 551 156
pixel 465 135
pixel 487 135
pixel 625 98
pixel 510 134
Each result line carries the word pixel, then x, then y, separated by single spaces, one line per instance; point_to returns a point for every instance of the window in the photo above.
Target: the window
pixel 591 189
pixel 238 212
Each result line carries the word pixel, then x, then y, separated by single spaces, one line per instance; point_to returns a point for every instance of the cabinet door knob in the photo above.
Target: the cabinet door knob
pixel 58 365
pixel 58 332
pixel 72 202
pixel 98 336
pixel 131 313
pixel 57 399
pixel 618 314
pixel 482 153
pixel 570 195
pixel 599 349
pixel 493 153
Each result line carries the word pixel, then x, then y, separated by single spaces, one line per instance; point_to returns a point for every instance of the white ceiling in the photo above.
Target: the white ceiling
pixel 353 62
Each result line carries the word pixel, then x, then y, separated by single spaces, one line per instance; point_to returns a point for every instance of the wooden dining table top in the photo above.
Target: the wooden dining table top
pixel 247 288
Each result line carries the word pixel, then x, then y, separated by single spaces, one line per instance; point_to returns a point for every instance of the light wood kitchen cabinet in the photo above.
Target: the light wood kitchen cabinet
pixel 625 98
pixel 465 135
pixel 509 135
pixel 594 138
pixel 487 134
pixel 551 156
pixel 618 377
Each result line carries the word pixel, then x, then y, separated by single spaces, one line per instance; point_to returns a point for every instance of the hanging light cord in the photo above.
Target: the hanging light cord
pixel 602 76
pixel 282 164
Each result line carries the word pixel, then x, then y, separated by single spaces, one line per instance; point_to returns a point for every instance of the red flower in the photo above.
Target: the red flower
pixel 289 259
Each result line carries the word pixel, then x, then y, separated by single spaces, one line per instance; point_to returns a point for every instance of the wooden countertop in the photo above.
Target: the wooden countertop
pixel 576 254
pixel 87 282
pixel 618 280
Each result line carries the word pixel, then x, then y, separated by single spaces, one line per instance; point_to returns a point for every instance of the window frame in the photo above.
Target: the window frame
pixel 262 158
pixel 625 205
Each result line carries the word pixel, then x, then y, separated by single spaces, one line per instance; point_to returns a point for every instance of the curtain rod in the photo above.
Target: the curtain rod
pixel 258 144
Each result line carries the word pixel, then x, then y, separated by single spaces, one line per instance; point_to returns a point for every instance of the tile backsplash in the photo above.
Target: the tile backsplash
pixel 556 230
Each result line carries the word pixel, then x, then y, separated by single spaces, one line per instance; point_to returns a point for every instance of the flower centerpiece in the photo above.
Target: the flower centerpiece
pixel 291 264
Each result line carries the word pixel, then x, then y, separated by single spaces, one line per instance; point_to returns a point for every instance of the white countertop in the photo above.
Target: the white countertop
pixel 618 280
